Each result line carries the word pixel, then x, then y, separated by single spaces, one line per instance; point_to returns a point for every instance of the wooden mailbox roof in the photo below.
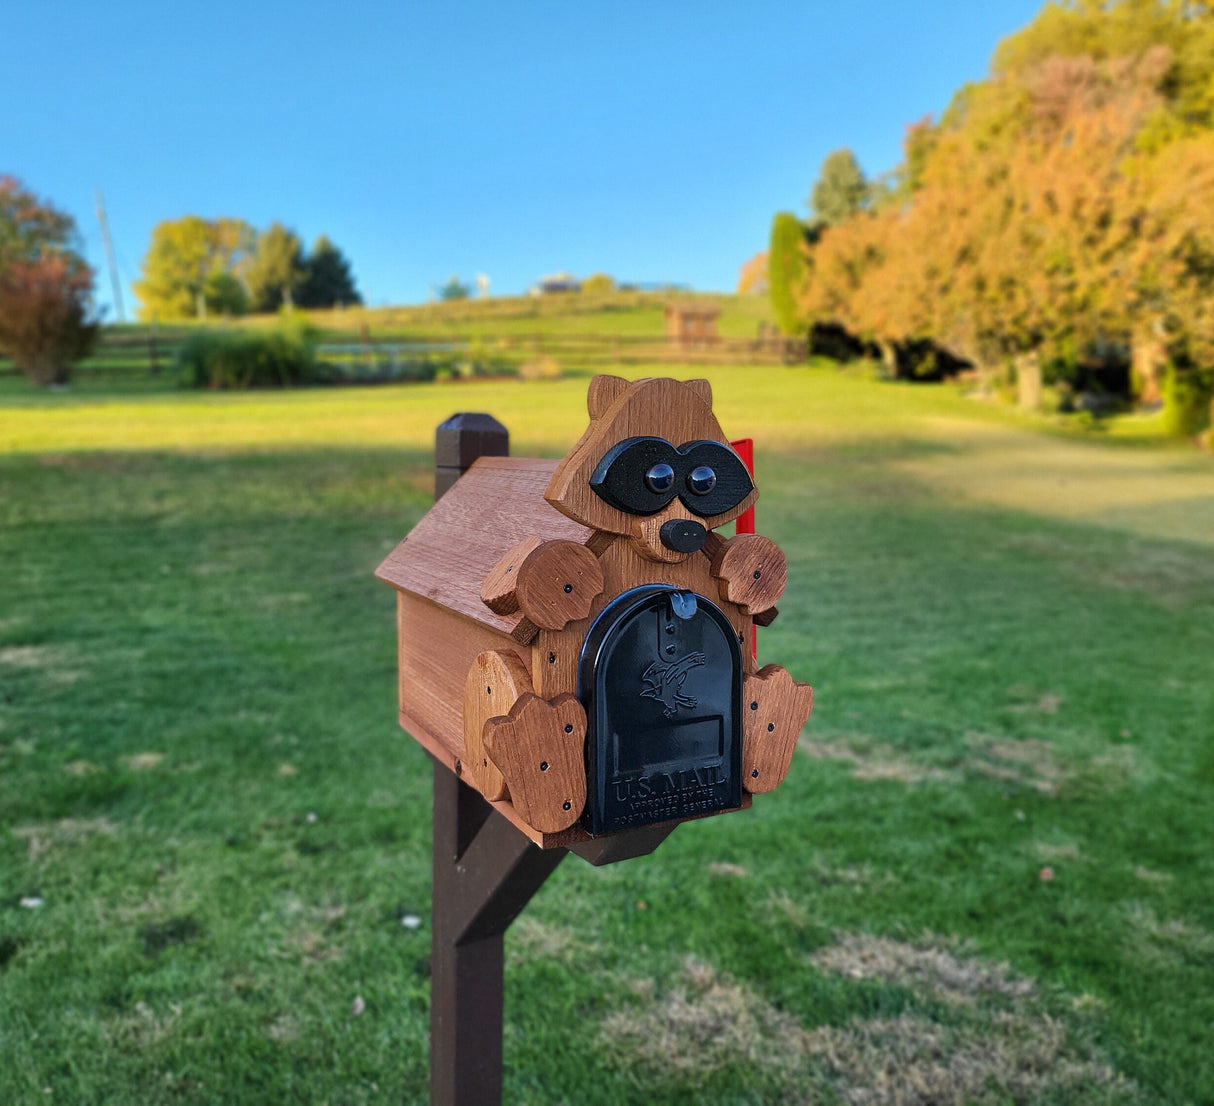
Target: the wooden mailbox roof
pixel 494 505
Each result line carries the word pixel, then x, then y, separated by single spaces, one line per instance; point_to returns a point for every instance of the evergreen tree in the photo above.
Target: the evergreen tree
pixel 327 281
pixel 841 189
pixel 787 268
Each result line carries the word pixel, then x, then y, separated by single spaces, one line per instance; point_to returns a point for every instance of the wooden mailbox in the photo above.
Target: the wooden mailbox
pixel 576 640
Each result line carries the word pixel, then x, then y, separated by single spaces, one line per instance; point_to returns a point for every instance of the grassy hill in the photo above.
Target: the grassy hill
pixel 988 878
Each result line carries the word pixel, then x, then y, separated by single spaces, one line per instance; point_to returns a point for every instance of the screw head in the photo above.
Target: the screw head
pixel 568 588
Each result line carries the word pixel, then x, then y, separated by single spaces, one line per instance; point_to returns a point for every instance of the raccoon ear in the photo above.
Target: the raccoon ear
pixel 701 388
pixel 604 391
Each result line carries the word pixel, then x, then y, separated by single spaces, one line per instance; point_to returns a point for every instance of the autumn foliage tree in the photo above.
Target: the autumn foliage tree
pixel 45 287
pixel 193 267
pixel 1062 205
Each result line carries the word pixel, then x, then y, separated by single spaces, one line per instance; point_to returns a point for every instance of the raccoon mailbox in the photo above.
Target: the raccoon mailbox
pixel 576 647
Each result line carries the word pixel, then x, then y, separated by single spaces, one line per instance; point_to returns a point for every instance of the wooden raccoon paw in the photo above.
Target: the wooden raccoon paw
pixel 750 571
pixel 493 685
pixel 539 748
pixel 553 583
pixel 775 708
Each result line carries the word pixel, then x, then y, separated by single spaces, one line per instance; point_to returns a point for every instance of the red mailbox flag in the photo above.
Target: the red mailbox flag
pixel 745 524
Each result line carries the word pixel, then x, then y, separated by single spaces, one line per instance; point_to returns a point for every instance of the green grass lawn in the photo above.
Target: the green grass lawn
pixel 988 878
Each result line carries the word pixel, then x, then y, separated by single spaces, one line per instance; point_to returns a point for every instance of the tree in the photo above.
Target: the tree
pixel 276 270
pixel 29 227
pixel 327 280
pixel 752 275
pixel 454 289
pixel 787 262
pixel 841 189
pixel 45 286
pixel 45 321
pixel 598 284
pixel 183 266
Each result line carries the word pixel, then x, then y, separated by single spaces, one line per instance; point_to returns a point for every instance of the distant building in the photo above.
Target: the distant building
pixel 692 324
pixel 557 282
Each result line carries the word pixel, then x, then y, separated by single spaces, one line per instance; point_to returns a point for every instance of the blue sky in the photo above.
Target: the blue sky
pixel 650 141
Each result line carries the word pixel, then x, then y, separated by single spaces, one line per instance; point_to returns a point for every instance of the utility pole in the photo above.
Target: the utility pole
pixel 115 283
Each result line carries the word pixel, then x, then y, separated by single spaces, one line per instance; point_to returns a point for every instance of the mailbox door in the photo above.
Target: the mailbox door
pixel 660 677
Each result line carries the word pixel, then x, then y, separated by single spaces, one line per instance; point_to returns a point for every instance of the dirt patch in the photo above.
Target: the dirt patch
pixel 53 663
pixel 928 967
pixel 33 656
pixel 531 938
pixel 1024 761
pixel 1149 875
pixel 980 1054
pixel 724 868
pixel 1168 944
pixel 1046 703
pixel 702 1024
pixel 144 762
pixel 910 1061
pixel 781 902
pixel 314 945
pixel 870 760
pixel 81 768
pixel 283 1029
pixel 143 1026
pixel 42 837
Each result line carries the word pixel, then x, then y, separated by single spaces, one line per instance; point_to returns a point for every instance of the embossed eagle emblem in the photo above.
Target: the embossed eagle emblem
pixel 664 682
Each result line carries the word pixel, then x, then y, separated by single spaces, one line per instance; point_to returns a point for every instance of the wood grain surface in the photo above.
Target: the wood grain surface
pixel 446 557
pixel 499 590
pixel 775 708
pixel 539 747
pixel 751 571
pixel 493 685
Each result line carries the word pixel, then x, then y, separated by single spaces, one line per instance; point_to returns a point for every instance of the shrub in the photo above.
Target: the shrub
pixel 277 358
pixel 1187 393
pixel 44 316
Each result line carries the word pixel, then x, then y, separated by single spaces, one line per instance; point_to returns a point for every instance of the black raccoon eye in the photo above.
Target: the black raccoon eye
pixel 638 475
pixel 701 480
pixel 716 482
pixel 660 478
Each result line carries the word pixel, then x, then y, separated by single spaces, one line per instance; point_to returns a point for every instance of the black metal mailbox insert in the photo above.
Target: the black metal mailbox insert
pixel 660 677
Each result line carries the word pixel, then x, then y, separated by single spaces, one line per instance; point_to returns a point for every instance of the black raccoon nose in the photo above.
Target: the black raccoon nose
pixel 683 535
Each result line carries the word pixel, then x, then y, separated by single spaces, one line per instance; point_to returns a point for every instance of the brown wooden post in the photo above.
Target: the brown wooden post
pixel 460 440
pixel 485 872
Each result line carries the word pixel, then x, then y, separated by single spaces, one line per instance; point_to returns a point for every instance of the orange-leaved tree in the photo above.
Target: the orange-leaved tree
pixel 45 287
